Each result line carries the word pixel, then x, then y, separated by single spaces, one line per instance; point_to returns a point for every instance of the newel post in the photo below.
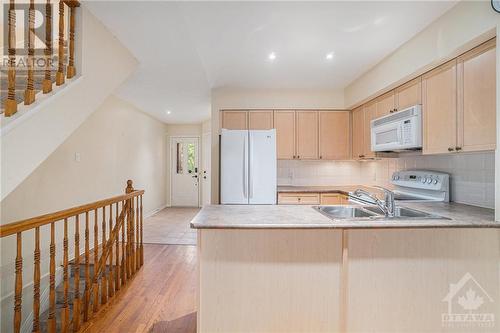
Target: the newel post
pixel 129 246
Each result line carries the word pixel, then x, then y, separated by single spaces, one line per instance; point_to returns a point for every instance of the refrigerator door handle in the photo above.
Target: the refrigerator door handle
pixel 245 167
pixel 250 177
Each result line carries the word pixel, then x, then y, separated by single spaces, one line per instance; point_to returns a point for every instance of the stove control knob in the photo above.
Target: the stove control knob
pixel 429 180
pixel 396 177
pixel 424 180
pixel 435 181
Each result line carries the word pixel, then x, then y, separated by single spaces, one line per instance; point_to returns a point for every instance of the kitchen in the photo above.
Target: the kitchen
pixel 301 262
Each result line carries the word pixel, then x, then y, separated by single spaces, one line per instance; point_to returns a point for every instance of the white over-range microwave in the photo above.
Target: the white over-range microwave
pixel 398 131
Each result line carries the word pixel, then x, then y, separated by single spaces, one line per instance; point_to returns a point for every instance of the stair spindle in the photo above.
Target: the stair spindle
pixel 71 63
pixel 47 81
pixel 137 234
pixel 52 282
pixel 29 93
pixel 60 69
pixel 36 283
pixel 124 251
pixel 104 282
pixel 132 236
pixel 111 280
pixel 95 282
pixel 76 297
pixel 117 257
pixel 18 293
pixel 65 312
pixel 10 102
pixel 86 297
pixel 142 226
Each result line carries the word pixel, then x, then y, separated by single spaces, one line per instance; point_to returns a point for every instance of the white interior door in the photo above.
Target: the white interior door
pixel 206 153
pixel 184 171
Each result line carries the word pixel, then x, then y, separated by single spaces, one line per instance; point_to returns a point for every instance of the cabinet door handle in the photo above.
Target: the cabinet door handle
pixel 458 148
pixel 451 149
pixel 298 157
pixel 320 157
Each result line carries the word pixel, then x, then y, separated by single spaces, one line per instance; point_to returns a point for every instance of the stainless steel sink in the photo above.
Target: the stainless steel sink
pixel 344 212
pixel 373 213
pixel 405 213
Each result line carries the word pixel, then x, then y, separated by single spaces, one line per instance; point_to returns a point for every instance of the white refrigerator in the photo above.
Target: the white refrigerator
pixel 248 167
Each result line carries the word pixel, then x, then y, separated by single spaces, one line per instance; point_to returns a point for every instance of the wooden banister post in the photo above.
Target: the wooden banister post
pixel 18 294
pixel 71 63
pixel 10 102
pixel 60 69
pixel 36 283
pixel 47 82
pixel 29 93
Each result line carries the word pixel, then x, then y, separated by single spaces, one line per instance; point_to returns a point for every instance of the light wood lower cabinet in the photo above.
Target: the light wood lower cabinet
pixel 333 199
pixel 298 199
pixel 308 198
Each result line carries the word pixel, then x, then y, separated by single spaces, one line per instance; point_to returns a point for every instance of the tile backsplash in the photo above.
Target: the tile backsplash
pixel 472 175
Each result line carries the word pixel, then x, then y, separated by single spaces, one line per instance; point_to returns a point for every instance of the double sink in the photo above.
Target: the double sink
pixel 373 212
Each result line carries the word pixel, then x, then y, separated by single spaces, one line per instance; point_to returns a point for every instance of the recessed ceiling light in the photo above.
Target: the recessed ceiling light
pixel 272 56
pixel 329 56
pixel 169 112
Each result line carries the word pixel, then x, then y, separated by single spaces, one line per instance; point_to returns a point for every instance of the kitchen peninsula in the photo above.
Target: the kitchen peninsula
pixel 287 268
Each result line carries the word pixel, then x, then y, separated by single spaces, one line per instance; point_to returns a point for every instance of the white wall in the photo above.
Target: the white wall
pixel 30 136
pixel 264 99
pixel 116 143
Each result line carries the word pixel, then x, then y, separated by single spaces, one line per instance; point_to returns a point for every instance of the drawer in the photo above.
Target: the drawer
pixel 334 199
pixel 331 198
pixel 298 198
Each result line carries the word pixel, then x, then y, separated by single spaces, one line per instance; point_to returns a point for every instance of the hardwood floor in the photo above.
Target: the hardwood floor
pixel 161 298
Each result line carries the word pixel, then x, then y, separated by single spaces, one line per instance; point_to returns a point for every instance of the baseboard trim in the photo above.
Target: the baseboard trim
pixel 154 211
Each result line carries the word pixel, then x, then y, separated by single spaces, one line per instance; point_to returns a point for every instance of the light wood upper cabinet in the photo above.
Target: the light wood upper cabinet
pixel 358 132
pixel 284 122
pixel 334 135
pixel 439 92
pixel 385 104
pixel 408 94
pixel 235 120
pixel 476 98
pixel 307 135
pixel 370 113
pixel 260 120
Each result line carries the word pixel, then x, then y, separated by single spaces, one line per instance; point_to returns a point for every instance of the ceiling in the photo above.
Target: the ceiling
pixel 185 49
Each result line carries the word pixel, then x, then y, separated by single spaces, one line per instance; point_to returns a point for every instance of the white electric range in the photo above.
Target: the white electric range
pixel 421 186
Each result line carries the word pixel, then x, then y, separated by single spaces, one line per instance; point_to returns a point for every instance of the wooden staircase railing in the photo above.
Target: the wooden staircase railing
pixel 10 101
pixel 110 267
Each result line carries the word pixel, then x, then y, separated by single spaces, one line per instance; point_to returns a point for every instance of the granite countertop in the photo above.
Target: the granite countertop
pixel 304 217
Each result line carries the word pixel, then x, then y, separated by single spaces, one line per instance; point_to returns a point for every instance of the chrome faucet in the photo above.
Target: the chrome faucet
pixel 388 206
